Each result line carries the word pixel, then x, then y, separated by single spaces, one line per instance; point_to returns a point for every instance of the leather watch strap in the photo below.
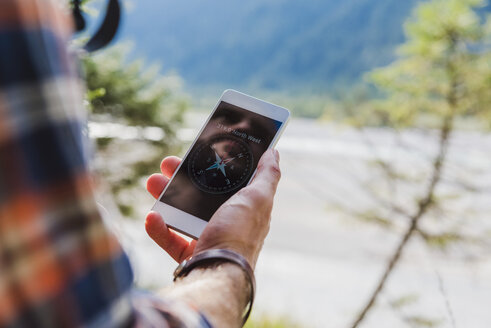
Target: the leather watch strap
pixel 220 255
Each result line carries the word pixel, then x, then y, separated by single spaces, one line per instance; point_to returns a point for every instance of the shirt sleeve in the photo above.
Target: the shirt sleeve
pixel 59 265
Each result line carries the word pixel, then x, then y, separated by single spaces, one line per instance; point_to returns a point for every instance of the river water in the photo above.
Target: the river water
pixel 319 265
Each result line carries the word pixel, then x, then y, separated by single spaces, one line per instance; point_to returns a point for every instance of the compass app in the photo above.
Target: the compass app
pixel 221 161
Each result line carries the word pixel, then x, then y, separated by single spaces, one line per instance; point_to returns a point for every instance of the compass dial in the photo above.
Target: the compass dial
pixel 222 164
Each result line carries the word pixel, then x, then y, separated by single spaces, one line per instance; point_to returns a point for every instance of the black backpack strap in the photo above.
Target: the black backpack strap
pixel 106 32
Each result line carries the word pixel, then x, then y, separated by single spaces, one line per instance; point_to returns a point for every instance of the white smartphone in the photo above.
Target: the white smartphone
pixel 222 160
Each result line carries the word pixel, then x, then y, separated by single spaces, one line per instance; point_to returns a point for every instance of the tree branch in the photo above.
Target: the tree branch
pixel 423 205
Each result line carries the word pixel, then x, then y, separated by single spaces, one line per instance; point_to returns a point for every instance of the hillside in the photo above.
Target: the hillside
pixel 268 44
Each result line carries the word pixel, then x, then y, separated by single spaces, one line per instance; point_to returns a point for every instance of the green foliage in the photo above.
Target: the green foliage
pixel 125 209
pixel 402 305
pixel 126 92
pixel 442 240
pixel 442 74
pixel 123 92
pixel 103 143
pixel 404 301
pixel 443 69
pixel 422 322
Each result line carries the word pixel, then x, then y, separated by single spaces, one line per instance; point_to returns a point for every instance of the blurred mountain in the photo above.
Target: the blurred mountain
pixel 268 44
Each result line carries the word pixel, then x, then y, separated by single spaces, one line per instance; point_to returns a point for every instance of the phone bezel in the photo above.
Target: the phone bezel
pixel 189 224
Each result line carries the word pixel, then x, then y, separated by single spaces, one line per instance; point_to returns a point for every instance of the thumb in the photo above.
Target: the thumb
pixel 268 172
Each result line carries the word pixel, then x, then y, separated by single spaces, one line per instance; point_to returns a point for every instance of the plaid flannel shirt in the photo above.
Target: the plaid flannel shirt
pixel 59 265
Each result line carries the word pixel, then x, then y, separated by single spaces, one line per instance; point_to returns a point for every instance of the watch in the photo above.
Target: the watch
pixel 220 255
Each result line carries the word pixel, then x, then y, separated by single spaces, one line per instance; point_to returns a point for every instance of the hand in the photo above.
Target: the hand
pixel 240 224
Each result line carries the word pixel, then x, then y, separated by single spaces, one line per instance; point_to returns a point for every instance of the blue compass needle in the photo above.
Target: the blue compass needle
pixel 219 163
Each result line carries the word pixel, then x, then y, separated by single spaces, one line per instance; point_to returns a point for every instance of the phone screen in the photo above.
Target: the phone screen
pixel 221 161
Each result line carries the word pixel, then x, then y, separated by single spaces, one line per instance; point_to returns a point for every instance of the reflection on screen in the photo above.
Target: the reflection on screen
pixel 221 161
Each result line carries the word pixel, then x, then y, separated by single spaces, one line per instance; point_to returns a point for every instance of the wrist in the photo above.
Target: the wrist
pixel 228 260
pixel 246 251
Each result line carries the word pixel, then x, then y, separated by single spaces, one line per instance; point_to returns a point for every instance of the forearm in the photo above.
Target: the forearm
pixel 221 292
pixel 235 234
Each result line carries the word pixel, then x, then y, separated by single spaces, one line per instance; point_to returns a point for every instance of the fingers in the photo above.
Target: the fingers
pixel 169 165
pixel 156 184
pixel 268 172
pixel 175 245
